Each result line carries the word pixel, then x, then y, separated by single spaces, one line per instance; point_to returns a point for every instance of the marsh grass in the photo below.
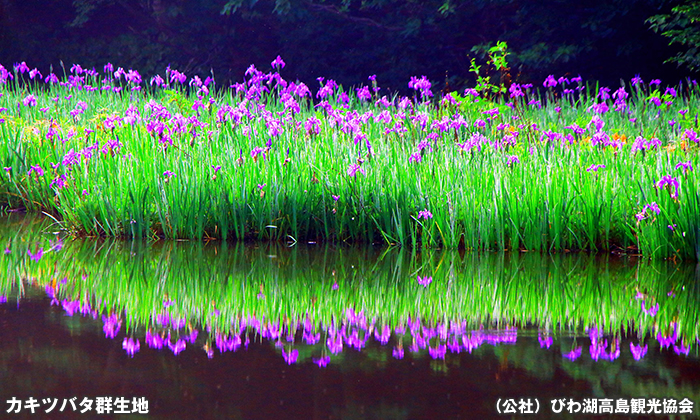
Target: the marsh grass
pixel 126 180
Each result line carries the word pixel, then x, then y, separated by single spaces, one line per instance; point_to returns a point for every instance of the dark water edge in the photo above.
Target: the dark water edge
pixel 46 354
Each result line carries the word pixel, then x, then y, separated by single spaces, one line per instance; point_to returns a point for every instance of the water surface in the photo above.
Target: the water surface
pixel 267 331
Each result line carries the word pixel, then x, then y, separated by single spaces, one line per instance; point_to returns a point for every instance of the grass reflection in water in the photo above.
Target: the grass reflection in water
pixel 219 297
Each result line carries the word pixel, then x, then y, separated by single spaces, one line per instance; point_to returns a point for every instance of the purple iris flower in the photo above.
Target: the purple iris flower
pixel 576 129
pixel 177 76
pixel 111 326
pixel 651 311
pixel 70 306
pixel 29 100
pixel 21 67
pixel 310 338
pixel 667 341
pixel 335 344
pixel 422 84
pixel 545 342
pixel 419 342
pixel 425 144
pixel 454 346
pixel 405 102
pixel 37 256
pixel 397 352
pixel 133 77
pixel 178 323
pixel 594 168
pixel 508 336
pixel 425 214
pixel 192 336
pixel 638 351
pixel 354 168
pixel 277 63
pixel 154 341
pixel 653 206
pixel 77 69
pixel 158 81
pixel 425 281
pixel 550 81
pixel 231 343
pixel 163 319
pixel 614 350
pixel 272 331
pixel 131 346
pixel 322 361
pixel 687 166
pixel 573 354
pixel 438 352
pixel 472 92
pixel 664 342
pixel 683 349
pixel 512 159
pixel 354 340
pixel 290 357
pixel 178 347
pixel 597 349
pixel 670 181
pixel 34 73
pixel 363 94
pixel 414 325
pixel 474 340
pixel 59 182
pixel 384 336
pixel 515 90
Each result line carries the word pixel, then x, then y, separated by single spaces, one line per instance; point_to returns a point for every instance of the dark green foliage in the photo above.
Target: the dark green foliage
pixel 682 26
pixel 342 39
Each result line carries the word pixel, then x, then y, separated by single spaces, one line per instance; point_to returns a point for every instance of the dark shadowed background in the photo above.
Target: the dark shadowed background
pixel 349 40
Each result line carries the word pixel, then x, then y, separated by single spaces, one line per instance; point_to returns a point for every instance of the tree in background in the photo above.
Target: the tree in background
pixel 599 39
pixel 346 40
pixel 682 26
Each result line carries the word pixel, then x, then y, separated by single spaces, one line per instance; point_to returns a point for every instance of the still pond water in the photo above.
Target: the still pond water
pixel 191 330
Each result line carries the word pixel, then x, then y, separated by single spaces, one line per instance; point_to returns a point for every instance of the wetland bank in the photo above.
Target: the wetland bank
pixel 569 166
